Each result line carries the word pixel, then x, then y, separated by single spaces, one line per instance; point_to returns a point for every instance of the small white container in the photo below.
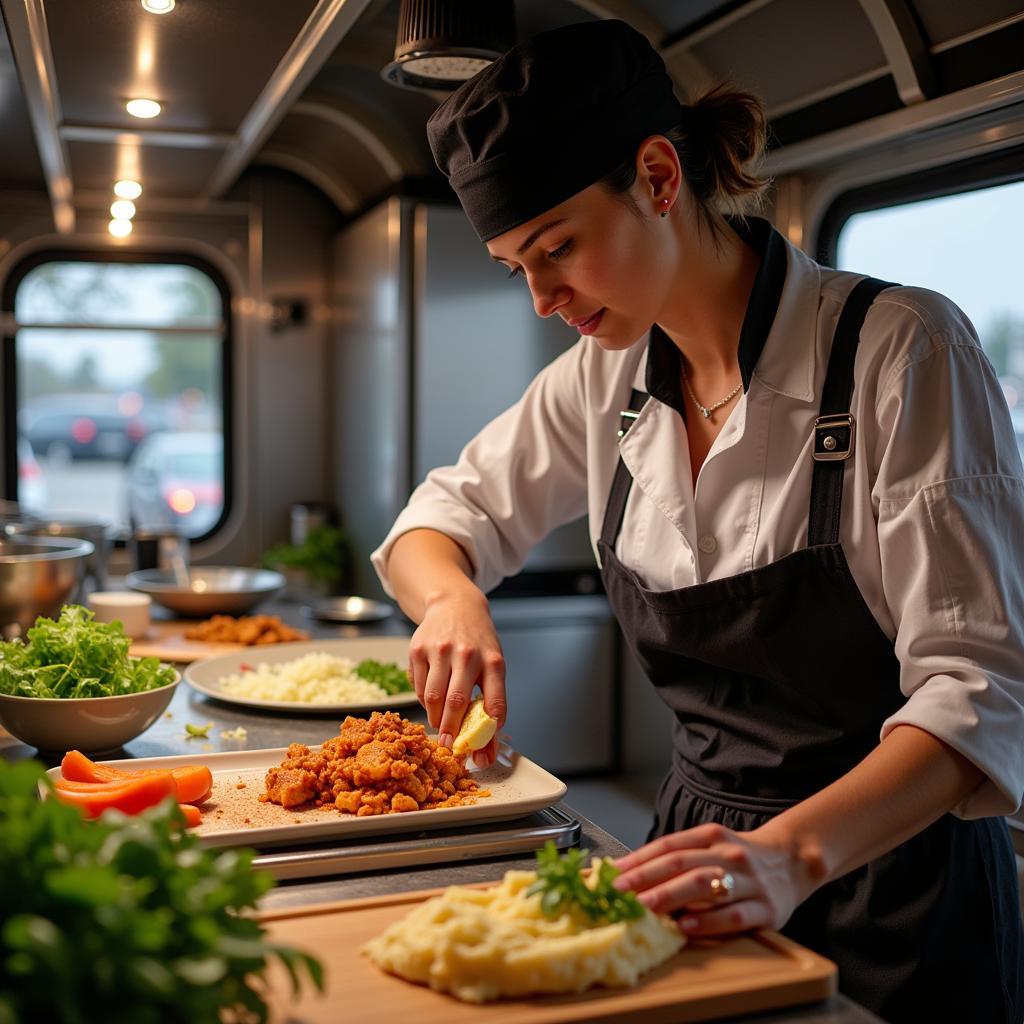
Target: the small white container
pixel 126 606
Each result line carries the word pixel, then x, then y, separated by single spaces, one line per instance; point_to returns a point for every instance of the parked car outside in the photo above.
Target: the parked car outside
pixel 32 491
pixel 66 427
pixel 176 480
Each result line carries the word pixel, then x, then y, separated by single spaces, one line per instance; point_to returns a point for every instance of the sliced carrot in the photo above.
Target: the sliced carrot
pixel 193 781
pixel 129 796
pixel 193 816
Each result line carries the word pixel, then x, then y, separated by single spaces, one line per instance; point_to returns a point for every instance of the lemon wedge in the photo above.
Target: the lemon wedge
pixel 478 729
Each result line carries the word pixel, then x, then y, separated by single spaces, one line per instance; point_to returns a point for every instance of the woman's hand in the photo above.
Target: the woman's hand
pixel 673 875
pixel 454 649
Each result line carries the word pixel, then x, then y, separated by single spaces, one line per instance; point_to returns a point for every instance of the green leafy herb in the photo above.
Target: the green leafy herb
pixel 126 920
pixel 326 554
pixel 199 732
pixel 389 677
pixel 76 656
pixel 561 885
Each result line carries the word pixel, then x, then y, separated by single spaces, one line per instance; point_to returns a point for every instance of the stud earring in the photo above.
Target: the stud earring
pixel 664 212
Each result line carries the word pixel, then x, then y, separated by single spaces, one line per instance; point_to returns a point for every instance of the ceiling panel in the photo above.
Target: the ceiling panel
pixel 163 171
pixel 19 167
pixel 942 20
pixel 206 61
pixel 788 50
pixel 680 17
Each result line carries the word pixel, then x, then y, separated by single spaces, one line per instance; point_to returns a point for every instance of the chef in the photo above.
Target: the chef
pixel 807 505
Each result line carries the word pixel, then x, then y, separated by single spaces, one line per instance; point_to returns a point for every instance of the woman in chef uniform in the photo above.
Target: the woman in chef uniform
pixel 808 508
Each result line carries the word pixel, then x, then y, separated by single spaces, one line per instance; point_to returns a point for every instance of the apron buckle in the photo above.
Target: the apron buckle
pixel 628 415
pixel 833 438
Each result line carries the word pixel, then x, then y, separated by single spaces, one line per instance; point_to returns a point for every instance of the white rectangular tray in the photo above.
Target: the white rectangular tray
pixel 234 815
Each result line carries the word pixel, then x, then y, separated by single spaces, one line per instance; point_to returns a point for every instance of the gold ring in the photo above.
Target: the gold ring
pixel 722 887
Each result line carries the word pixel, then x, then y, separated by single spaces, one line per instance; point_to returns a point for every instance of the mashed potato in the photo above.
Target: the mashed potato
pixel 484 944
pixel 311 679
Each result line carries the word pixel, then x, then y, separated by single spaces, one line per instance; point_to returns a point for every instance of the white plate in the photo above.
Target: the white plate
pixel 518 786
pixel 205 675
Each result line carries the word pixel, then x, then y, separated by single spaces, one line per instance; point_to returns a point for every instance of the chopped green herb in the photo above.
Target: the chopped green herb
pixel 561 884
pixel 389 677
pixel 126 920
pixel 199 732
pixel 76 656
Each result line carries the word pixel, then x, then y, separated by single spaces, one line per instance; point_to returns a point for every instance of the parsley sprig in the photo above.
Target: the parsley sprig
pixel 561 884
pixel 127 920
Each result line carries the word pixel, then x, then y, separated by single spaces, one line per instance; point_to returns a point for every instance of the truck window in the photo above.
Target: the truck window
pixel 119 376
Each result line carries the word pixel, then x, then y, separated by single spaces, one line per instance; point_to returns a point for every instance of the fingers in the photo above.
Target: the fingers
pixel 677 881
pixel 735 917
pixel 700 837
pixel 492 682
pixel 435 687
pixel 486 756
pixel 465 671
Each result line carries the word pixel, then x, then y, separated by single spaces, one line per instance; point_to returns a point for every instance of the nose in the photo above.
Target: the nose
pixel 549 293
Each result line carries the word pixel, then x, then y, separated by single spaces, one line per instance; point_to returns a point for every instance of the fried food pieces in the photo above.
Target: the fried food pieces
pixel 246 629
pixel 381 765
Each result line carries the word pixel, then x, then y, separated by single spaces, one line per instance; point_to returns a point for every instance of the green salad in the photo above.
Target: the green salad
pixel 127 920
pixel 75 656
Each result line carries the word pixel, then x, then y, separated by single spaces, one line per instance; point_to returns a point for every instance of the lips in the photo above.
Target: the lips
pixel 587 324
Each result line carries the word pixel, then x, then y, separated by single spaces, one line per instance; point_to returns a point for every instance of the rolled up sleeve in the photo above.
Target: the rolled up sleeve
pixel 953 566
pixel 520 477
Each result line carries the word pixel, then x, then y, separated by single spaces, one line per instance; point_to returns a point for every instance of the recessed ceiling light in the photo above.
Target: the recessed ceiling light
pixel 127 189
pixel 123 209
pixel 158 6
pixel 143 108
pixel 120 228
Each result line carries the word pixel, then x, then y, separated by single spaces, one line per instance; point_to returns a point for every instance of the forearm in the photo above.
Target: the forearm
pixel 425 565
pixel 909 781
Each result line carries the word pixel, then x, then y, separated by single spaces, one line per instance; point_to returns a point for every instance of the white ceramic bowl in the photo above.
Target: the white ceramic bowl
pixel 93 725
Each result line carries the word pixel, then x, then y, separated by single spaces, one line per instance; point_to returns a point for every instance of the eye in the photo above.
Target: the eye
pixel 562 250
pixel 515 272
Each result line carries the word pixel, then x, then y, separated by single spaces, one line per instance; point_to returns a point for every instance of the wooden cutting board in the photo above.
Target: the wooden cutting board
pixel 709 981
pixel 166 640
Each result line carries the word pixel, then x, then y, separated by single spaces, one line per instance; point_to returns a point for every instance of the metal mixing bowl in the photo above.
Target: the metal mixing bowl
pixel 36 576
pixel 93 530
pixel 212 589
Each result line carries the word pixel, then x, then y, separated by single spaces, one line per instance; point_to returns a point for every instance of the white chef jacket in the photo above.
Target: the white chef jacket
pixel 933 503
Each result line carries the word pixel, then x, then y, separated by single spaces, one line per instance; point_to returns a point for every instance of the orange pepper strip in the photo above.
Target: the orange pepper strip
pixel 193 816
pixel 130 796
pixel 193 781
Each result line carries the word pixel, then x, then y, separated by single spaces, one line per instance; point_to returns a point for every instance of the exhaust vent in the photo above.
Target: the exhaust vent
pixel 441 43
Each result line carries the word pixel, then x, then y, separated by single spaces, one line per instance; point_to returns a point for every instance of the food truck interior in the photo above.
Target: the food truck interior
pixel 243 314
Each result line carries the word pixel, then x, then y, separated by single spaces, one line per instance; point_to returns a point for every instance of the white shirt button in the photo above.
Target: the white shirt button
pixel 707 544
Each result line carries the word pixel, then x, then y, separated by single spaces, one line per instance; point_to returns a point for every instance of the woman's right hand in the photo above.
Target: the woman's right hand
pixel 454 649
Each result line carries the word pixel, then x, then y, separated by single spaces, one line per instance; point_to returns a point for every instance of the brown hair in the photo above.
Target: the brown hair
pixel 720 139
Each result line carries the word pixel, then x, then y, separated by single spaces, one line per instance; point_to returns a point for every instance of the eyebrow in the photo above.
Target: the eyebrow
pixel 533 237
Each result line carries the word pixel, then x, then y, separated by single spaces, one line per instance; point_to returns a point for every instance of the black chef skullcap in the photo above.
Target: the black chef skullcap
pixel 548 119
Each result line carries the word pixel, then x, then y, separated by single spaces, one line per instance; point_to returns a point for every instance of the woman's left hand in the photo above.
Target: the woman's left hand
pixel 674 875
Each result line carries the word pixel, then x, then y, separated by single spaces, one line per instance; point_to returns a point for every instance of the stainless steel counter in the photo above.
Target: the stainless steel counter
pixel 168 736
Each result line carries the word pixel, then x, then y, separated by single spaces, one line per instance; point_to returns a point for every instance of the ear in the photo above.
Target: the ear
pixel 658 174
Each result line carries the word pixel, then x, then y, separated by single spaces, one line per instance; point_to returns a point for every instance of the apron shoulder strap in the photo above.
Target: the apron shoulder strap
pixel 616 507
pixel 835 428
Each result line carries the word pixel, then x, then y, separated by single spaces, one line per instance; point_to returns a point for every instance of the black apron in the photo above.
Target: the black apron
pixel 779 679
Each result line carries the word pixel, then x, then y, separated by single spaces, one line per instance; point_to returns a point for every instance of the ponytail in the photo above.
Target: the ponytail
pixel 720 140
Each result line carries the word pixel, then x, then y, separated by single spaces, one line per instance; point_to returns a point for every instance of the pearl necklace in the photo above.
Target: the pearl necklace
pixel 707 410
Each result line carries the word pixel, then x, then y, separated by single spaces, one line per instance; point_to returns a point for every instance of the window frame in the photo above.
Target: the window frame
pixel 971 175
pixel 9 355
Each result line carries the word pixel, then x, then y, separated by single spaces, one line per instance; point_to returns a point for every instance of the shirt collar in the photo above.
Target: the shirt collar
pixel 777 339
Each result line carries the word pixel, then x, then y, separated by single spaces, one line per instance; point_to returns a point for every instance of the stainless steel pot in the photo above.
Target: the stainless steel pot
pixel 37 574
